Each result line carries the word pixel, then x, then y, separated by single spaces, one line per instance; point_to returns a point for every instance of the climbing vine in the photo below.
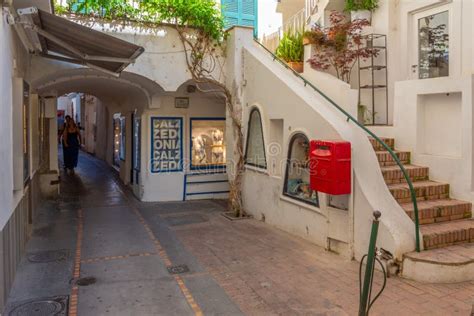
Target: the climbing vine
pixel 200 27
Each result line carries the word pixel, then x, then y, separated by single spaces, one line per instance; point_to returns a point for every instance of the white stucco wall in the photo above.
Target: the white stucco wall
pixel 13 71
pixel 6 71
pixel 163 60
pixel 280 95
pixel 433 120
pixel 170 186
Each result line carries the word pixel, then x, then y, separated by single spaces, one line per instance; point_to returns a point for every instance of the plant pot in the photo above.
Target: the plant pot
pixel 296 66
pixel 361 15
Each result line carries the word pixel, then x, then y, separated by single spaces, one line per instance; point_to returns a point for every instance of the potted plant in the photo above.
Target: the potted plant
pixel 291 50
pixel 314 36
pixel 361 9
pixel 365 116
pixel 339 46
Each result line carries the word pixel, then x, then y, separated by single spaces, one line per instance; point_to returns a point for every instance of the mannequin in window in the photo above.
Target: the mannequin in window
pixel 217 146
pixel 199 146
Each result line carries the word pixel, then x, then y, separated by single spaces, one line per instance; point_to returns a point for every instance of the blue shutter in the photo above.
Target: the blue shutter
pixel 75 7
pixel 240 12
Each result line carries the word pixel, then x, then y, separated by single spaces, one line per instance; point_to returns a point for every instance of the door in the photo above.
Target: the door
pixel 432 44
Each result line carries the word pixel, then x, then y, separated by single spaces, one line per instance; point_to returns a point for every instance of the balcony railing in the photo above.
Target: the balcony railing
pixel 297 23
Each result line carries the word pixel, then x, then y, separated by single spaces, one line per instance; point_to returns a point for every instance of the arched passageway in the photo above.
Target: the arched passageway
pixel 105 106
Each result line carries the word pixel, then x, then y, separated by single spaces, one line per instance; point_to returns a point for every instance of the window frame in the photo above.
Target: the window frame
pixel 288 159
pixel 248 138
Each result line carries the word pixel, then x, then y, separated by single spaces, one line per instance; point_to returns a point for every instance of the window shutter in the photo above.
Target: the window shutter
pixel 240 12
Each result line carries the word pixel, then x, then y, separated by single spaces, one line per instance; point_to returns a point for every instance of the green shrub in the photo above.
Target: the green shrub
pixel 356 5
pixel 291 48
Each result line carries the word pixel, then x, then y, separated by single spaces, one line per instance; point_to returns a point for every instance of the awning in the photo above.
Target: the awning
pixel 64 40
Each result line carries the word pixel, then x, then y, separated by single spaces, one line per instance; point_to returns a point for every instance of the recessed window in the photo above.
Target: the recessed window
pixel 297 171
pixel 255 151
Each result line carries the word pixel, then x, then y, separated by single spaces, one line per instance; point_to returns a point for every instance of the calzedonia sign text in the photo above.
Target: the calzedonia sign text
pixel 166 144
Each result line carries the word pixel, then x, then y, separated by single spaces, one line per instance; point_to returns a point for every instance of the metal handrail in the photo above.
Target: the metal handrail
pixel 351 118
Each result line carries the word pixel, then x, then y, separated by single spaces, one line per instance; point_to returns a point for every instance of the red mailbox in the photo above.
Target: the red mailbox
pixel 330 166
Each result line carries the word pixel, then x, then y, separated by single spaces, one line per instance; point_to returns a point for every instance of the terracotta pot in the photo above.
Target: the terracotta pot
pixel 296 66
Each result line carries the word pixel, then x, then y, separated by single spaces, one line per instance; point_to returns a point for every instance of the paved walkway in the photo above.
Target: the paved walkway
pixel 240 267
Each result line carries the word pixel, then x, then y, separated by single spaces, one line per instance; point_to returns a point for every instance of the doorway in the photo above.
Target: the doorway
pixel 433 43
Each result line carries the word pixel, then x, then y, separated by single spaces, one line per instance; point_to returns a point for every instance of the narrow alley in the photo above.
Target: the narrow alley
pixel 114 255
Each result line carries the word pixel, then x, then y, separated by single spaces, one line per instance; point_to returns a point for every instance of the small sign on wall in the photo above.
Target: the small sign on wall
pixel 166 144
pixel 181 103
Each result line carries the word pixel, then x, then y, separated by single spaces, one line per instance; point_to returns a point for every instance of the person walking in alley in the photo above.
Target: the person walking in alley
pixel 71 144
pixel 61 134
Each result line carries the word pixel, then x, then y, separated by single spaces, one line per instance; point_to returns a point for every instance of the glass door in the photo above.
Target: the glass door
pixel 432 44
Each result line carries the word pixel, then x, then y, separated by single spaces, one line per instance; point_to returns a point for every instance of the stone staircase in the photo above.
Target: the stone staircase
pixel 446 224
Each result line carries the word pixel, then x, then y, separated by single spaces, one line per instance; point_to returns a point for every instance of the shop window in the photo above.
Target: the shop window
pixel 117 138
pixel 255 150
pixel 208 150
pixel 123 138
pixel 297 171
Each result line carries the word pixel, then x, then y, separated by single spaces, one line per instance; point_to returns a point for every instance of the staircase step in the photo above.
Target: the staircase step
pixel 385 159
pixel 424 190
pixel 393 174
pixel 451 255
pixel 378 147
pixel 436 211
pixel 448 233
pixel 442 265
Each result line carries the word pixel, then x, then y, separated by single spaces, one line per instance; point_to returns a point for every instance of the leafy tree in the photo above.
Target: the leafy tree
pixel 200 27
pixel 339 46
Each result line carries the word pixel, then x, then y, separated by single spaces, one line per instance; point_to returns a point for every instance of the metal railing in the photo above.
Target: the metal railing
pixel 311 7
pixel 371 134
pixel 296 23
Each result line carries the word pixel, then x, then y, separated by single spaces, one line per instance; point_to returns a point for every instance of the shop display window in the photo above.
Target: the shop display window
pixel 255 150
pixel 297 171
pixel 208 148
pixel 122 138
pixel 117 138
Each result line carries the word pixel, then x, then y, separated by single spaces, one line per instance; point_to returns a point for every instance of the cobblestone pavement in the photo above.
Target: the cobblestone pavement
pixel 234 268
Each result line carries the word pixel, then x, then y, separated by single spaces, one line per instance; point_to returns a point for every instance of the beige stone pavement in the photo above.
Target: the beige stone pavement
pixel 267 271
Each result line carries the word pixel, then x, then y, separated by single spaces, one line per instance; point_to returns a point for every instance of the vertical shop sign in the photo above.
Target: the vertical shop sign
pixel 166 144
pixel 136 143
